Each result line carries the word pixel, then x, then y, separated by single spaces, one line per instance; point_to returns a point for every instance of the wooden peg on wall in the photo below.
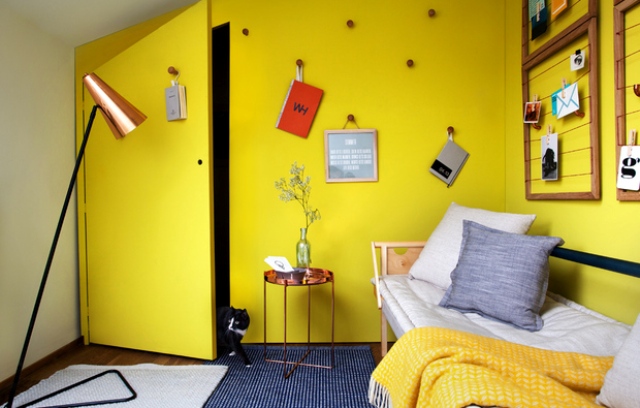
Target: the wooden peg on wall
pixel 173 71
pixel 351 118
pixel 245 31
pixel 410 63
pixel 432 12
pixel 636 89
pixel 299 62
pixel 350 23
pixel 450 131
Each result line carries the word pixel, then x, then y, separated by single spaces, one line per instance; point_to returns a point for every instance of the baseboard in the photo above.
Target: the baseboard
pixel 5 385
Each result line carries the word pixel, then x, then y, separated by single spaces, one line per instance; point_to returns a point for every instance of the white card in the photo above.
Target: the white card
pixel 567 100
pixel 279 263
pixel 629 168
pixel 549 156
pixel 577 60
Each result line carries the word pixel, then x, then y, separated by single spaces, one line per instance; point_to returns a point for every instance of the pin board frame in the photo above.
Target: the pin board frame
pixel 577 13
pixel 585 156
pixel 351 155
pixel 626 107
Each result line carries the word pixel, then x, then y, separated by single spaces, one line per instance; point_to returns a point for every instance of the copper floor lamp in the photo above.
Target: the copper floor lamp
pixel 122 117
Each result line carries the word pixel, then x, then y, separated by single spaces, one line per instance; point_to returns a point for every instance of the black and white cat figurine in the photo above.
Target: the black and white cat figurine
pixel 232 326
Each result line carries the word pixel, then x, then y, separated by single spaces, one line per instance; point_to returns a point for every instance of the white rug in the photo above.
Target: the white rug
pixel 156 386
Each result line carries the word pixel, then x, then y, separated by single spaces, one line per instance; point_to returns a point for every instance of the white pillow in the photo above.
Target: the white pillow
pixel 440 254
pixel 620 389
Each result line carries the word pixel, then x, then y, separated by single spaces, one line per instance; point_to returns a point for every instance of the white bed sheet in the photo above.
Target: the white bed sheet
pixel 568 326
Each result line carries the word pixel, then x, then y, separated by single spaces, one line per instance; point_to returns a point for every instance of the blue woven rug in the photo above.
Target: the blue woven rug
pixel 263 385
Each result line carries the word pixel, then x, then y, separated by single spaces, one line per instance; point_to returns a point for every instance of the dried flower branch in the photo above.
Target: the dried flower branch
pixel 298 188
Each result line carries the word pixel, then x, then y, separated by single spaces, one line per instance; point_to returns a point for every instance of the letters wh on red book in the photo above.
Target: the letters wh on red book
pixel 299 108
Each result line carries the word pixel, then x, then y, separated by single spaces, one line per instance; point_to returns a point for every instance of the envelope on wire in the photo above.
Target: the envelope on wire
pixel 562 106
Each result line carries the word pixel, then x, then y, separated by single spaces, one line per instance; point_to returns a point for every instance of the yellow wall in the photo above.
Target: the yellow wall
pixel 466 75
pixel 606 226
pixel 457 80
pixel 91 55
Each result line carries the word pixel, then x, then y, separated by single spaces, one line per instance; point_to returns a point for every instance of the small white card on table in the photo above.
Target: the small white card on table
pixel 279 263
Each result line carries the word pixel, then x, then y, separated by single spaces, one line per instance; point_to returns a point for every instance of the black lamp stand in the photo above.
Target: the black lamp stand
pixel 43 282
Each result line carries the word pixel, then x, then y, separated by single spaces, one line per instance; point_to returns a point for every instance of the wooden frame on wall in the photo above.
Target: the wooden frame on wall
pixel 626 100
pixel 351 155
pixel 580 145
pixel 577 13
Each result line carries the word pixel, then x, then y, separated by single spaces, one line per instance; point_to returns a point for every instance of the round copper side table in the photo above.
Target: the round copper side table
pixel 312 277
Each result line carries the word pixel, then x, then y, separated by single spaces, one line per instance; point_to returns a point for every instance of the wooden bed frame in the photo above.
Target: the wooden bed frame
pixel 394 263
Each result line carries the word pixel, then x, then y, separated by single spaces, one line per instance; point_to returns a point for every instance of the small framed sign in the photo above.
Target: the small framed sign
pixel 351 155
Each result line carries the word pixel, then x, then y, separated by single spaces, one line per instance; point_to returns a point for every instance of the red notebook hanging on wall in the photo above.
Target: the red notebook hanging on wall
pixel 299 108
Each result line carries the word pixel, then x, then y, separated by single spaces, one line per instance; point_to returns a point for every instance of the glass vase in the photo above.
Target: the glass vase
pixel 303 250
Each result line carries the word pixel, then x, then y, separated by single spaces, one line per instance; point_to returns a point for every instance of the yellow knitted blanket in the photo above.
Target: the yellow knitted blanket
pixel 435 367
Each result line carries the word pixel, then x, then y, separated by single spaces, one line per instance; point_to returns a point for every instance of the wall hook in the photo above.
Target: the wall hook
pixel 351 118
pixel 636 89
pixel 350 23
pixel 450 132
pixel 432 13
pixel 245 31
pixel 299 69
pixel 175 72
pixel 410 63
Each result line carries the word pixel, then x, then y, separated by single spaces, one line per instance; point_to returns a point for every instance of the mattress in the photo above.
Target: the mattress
pixel 568 326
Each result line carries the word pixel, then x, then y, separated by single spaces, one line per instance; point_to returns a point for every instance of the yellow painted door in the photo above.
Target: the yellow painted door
pixel 146 203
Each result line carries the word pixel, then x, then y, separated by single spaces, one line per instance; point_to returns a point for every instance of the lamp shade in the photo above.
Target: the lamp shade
pixel 121 116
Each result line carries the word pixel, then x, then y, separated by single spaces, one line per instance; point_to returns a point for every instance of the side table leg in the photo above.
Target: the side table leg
pixel 284 355
pixel 333 314
pixel 308 318
pixel 300 361
pixel 264 312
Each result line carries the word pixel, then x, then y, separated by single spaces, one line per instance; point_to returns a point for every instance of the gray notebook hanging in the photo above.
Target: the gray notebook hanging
pixel 449 162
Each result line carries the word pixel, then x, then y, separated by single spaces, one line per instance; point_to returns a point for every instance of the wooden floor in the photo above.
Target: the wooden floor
pixel 77 353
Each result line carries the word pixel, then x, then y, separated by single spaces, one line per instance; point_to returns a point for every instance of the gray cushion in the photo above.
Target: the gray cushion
pixel 440 253
pixel 620 389
pixel 501 275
